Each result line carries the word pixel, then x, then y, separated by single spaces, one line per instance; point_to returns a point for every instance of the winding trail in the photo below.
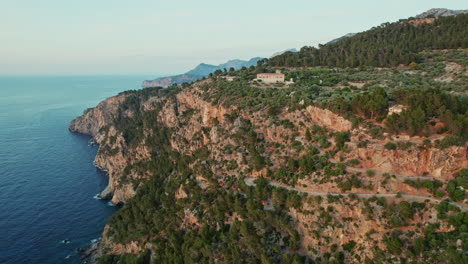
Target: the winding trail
pixel 250 181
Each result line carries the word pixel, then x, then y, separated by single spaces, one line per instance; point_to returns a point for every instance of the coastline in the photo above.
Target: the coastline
pixel 90 253
pixel 106 193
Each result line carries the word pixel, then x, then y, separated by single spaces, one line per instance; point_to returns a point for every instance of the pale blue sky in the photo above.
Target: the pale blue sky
pixel 162 37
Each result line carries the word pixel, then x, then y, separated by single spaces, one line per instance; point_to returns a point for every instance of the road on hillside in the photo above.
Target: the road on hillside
pixel 250 181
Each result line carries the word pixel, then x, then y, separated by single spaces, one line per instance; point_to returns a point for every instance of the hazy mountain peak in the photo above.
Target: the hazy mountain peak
pixel 437 12
pixel 281 52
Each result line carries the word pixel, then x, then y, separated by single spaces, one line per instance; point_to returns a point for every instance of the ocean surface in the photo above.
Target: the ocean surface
pixel 47 177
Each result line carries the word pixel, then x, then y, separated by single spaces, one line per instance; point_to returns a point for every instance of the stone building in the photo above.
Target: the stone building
pixel 270 77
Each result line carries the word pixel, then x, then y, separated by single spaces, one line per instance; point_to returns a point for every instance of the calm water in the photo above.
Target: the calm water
pixel 47 178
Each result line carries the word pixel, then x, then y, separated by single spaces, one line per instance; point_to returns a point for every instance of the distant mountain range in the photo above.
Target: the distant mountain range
pixel 202 70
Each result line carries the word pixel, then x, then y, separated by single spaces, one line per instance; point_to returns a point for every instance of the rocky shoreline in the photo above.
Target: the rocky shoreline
pixel 89 254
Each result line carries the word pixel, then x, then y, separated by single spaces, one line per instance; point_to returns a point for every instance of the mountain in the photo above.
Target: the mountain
pixel 340 38
pixel 197 73
pixel 434 12
pixel 437 12
pixel 284 51
pixel 203 69
pixel 389 44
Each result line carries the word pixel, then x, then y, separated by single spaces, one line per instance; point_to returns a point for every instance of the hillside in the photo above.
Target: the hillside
pixel 389 44
pixel 346 165
pixel 202 70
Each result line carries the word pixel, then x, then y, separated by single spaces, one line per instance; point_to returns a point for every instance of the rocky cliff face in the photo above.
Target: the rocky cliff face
pixel 414 161
pixel 324 117
pixel 197 123
pixel 94 119
pixel 98 122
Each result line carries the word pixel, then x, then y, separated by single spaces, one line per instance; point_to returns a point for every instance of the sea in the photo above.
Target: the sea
pixel 48 183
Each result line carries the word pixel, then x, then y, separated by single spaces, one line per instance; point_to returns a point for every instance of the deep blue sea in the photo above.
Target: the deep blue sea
pixel 47 177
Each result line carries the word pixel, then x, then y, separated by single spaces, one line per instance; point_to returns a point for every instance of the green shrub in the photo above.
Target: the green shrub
pixel 390 146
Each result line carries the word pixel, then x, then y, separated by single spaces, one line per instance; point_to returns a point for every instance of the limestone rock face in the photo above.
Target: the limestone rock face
pixel 94 119
pixel 440 163
pixel 188 100
pixel 98 123
pixel 327 118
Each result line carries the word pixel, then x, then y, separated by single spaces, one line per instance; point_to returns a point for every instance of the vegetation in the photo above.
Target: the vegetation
pixel 389 44
pixel 193 203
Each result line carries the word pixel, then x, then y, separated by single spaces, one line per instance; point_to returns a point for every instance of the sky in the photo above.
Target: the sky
pixel 65 37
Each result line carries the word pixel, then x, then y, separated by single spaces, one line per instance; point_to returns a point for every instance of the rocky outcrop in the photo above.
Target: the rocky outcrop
pixel 93 119
pixel 188 100
pixel 427 161
pixel 116 248
pixel 113 155
pixel 327 118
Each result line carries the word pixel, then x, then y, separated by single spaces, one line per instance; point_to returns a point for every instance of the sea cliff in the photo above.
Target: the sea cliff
pixel 195 124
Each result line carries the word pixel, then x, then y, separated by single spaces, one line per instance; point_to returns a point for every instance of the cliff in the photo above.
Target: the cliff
pixel 94 119
pixel 114 154
pixel 218 171
pixel 413 161
pixel 198 123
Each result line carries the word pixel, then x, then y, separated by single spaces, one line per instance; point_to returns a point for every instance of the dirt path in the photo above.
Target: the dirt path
pixel 250 182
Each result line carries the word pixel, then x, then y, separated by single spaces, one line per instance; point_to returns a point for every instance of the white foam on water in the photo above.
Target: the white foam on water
pixel 95 240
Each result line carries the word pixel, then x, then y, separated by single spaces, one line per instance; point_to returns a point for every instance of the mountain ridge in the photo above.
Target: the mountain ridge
pixel 200 71
pixel 433 12
pixel 438 12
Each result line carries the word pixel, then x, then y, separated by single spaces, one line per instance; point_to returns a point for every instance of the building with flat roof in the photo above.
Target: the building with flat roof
pixel 271 77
